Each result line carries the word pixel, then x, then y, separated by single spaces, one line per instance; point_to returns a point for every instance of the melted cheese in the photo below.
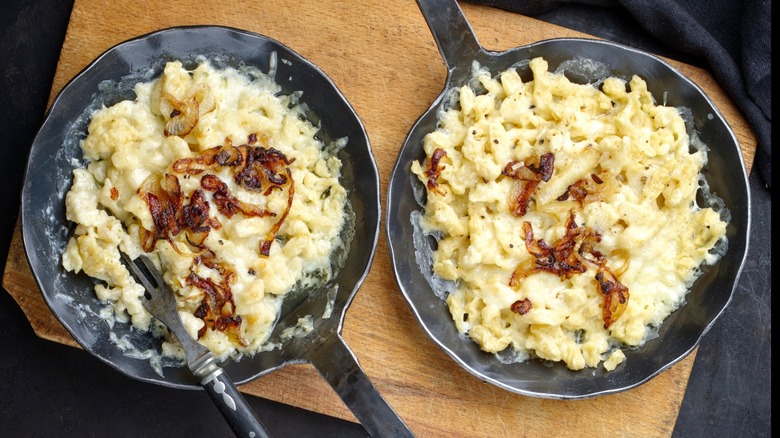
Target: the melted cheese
pixel 644 211
pixel 126 144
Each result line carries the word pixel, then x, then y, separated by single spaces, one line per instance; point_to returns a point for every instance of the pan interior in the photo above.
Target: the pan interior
pixel 586 61
pixel 110 79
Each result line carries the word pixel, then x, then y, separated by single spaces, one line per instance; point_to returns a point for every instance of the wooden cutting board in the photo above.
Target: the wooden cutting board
pixel 384 59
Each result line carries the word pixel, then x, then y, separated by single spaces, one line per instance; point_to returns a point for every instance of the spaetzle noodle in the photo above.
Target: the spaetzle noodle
pixel 565 214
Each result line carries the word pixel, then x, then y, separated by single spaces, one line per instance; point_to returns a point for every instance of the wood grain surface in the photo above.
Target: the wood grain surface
pixel 385 61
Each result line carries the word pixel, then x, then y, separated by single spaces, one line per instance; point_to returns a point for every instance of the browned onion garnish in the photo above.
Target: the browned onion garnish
pixel 205 98
pixel 566 258
pixel 173 188
pixel 523 187
pixel 434 170
pixel 184 114
pixel 546 166
pixel 522 271
pixel 577 191
pixel 560 259
pixel 209 260
pixel 614 293
pixel 229 156
pixel 584 190
pixel 527 176
pixel 171 216
pixel 217 309
pixel 521 306
pixel 255 167
pixel 265 247
pixel 164 208
pixel 196 213
pixel 262 167
pixel 196 240
pixel 183 117
pixel 228 204
pixel 197 165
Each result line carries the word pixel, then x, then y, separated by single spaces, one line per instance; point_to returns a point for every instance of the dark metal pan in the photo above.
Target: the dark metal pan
pixel 55 152
pixel 725 171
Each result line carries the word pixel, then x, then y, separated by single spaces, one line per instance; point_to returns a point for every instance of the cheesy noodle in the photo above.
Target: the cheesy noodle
pixel 222 182
pixel 565 215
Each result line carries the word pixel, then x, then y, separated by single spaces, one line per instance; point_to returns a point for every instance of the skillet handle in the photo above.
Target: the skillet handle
pixel 453 34
pixel 339 367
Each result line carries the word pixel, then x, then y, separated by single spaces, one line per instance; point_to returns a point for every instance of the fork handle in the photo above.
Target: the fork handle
pixel 234 408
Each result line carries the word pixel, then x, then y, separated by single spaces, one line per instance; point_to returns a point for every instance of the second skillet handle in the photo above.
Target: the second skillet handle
pixel 339 367
pixel 453 34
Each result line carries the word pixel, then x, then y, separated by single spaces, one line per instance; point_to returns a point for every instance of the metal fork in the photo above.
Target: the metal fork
pixel 160 302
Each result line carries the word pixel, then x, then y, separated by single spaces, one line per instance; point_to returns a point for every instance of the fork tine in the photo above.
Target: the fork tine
pixel 139 275
pixel 150 270
pixel 158 299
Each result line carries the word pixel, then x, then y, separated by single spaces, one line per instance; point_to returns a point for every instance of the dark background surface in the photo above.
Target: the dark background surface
pixel 50 389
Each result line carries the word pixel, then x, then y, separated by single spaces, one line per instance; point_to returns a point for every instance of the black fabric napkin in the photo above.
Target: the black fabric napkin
pixel 733 39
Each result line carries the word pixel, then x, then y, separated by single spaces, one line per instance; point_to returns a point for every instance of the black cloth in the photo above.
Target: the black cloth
pixel 733 39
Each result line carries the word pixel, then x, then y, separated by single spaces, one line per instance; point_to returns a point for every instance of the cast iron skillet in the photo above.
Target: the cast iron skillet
pixel 55 152
pixel 725 171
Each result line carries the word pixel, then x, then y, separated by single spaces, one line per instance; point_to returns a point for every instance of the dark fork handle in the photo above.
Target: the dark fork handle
pixel 233 406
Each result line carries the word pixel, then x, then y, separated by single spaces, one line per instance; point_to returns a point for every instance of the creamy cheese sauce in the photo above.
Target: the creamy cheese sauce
pixel 565 215
pixel 231 248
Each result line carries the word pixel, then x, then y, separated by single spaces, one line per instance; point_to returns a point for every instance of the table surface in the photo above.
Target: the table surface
pixel 728 392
